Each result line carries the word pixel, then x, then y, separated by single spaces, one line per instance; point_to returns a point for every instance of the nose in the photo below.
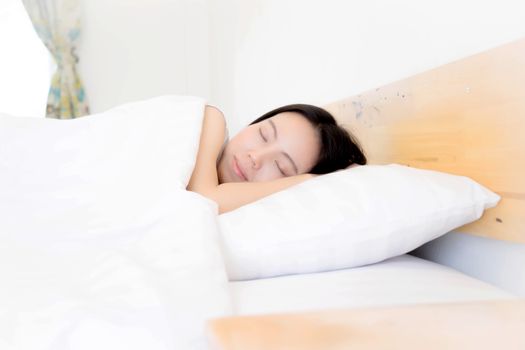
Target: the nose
pixel 255 158
pixel 261 156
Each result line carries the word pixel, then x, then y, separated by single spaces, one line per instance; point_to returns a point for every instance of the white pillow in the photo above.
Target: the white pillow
pixel 353 217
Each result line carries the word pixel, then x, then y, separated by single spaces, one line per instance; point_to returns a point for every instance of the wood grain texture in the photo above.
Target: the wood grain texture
pixel 464 118
pixel 472 325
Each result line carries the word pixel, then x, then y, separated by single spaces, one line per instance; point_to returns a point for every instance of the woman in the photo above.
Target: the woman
pixel 284 147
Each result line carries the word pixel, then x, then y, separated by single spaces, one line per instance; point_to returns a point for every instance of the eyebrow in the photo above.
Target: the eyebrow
pixel 285 154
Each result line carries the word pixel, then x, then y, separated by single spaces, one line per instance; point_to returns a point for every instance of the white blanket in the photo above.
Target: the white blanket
pixel 101 247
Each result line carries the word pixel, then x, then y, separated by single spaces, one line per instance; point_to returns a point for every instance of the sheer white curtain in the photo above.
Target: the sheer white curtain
pixel 25 63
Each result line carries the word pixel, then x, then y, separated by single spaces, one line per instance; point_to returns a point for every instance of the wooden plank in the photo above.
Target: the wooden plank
pixel 465 118
pixel 472 325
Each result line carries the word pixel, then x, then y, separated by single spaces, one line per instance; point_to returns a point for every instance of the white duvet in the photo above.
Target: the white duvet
pixel 101 246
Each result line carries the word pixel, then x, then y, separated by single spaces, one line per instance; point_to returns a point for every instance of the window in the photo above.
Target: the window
pixel 25 63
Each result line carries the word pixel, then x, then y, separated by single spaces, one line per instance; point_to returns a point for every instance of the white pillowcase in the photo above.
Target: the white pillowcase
pixel 349 218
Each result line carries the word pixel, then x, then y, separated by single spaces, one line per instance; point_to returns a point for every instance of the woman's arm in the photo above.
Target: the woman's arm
pixel 204 179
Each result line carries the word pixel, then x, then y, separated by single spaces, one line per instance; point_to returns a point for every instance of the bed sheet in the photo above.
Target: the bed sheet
pixel 405 279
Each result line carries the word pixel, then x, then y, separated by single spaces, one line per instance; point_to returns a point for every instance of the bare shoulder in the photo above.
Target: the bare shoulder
pixel 213 115
pixel 213 127
pixel 204 177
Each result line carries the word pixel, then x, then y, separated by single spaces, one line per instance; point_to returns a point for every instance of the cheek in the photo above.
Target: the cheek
pixel 238 145
pixel 268 172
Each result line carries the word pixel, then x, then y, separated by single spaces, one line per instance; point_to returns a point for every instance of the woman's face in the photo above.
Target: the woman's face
pixel 283 145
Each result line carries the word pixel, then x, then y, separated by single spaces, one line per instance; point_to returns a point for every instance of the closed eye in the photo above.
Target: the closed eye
pixel 262 136
pixel 278 167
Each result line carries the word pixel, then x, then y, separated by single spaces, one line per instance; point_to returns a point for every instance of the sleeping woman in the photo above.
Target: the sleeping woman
pixel 284 147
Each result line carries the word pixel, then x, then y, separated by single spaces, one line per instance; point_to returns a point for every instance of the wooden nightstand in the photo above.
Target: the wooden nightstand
pixel 498 325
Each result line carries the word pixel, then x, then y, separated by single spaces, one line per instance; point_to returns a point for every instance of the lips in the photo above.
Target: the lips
pixel 237 169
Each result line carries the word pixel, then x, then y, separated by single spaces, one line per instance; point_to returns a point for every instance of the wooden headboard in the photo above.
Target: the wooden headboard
pixel 465 118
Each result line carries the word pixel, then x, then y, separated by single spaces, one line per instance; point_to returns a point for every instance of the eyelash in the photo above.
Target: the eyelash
pixel 276 164
pixel 278 167
pixel 262 136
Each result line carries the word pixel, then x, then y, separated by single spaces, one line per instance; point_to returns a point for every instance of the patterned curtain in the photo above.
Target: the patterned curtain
pixel 57 23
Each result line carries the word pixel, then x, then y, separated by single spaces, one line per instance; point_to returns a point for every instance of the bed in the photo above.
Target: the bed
pixel 402 280
pixel 89 258
pixel 465 118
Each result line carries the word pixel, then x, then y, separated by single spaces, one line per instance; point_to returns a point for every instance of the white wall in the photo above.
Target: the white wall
pixel 248 56
pixel 135 49
pixel 266 53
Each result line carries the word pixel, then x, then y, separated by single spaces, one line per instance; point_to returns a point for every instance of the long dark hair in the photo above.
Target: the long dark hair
pixel 339 149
